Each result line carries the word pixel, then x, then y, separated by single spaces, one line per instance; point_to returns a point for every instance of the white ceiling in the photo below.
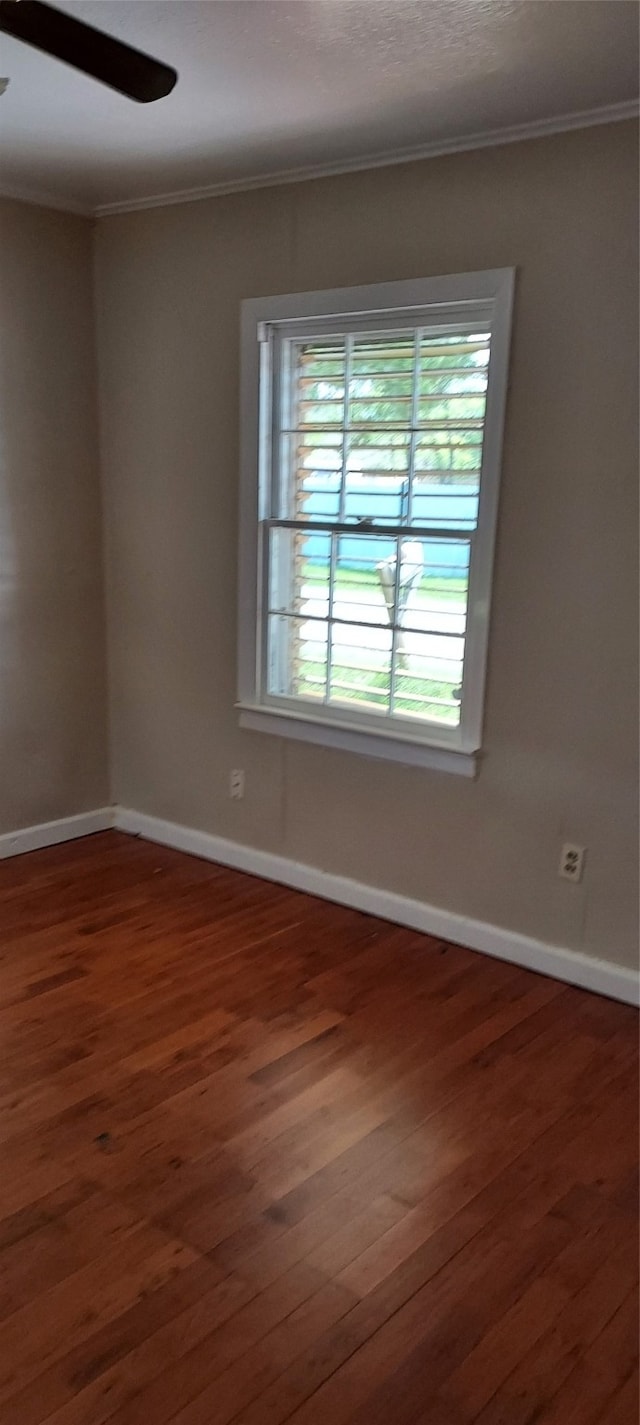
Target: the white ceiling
pixel 270 86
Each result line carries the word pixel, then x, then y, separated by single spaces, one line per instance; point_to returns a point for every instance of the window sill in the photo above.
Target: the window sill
pixel 386 745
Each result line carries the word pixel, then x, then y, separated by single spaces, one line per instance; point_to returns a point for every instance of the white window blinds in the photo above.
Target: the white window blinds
pixel 375 501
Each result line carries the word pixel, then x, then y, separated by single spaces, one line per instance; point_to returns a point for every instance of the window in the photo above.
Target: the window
pixel 371 436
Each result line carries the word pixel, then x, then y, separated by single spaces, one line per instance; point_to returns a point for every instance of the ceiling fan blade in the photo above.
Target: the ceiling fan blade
pixel 128 70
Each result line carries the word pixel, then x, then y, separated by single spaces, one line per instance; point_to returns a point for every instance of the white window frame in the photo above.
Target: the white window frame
pixel 477 295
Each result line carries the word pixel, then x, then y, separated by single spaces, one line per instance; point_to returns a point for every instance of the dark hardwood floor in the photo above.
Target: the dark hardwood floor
pixel 266 1159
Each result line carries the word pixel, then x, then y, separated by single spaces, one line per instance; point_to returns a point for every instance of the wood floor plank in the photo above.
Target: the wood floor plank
pixel 515 1336
pixel 269 1159
pixel 589 1390
pixel 622 1408
pixel 86 1375
pixel 541 1377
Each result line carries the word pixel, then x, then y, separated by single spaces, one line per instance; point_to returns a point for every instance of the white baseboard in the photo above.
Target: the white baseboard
pixel 601 976
pixel 573 968
pixel 49 833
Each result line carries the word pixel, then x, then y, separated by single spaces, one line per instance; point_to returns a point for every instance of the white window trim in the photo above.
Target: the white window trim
pixel 452 750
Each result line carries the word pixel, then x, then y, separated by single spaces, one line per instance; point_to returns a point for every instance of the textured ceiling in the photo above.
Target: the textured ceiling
pixel 268 86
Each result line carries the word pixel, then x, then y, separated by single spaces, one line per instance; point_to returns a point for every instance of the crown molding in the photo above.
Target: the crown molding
pixel 466 143
pixel 39 198
pixel 491 138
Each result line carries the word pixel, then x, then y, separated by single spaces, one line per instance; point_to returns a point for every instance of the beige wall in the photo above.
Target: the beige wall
pixel 561 706
pixel 53 743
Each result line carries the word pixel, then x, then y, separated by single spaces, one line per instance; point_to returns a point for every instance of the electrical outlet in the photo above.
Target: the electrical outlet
pixel 236 784
pixel 572 862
